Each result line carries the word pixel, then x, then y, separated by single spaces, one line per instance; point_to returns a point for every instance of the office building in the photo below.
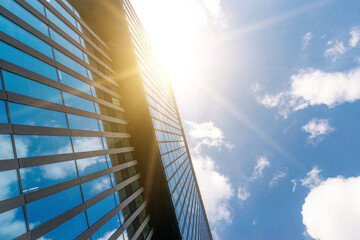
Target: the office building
pixel 91 142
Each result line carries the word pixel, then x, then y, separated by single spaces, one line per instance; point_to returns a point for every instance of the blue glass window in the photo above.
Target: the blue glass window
pixel 84 144
pixel 78 102
pixel 37 5
pixel 24 86
pixel 3 114
pixel 62 11
pixel 96 186
pixel 38 177
pixel 74 82
pixel 107 230
pixel 9 185
pixel 22 35
pixel 100 209
pixel 27 115
pixel 6 149
pixel 65 60
pixel 62 25
pixel 47 208
pixel 90 165
pixel 13 55
pixel 66 44
pixel 83 123
pixel 12 223
pixel 69 230
pixel 19 11
pixel 32 146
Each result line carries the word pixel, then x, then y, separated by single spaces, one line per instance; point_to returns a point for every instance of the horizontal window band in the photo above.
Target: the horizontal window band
pixel 8 164
pixel 182 189
pixel 49 82
pixel 22 99
pixel 175 160
pixel 176 171
pixel 43 160
pixel 5 128
pixel 27 198
pixel 172 151
pixel 141 228
pixel 150 235
pixel 170 141
pixel 159 130
pixel 120 230
pixel 82 23
pixel 51 131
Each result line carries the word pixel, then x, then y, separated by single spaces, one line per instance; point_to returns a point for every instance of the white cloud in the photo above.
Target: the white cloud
pixel 294 184
pixel 317 128
pixel 312 179
pixel 243 194
pixel 261 164
pixel 335 51
pixel 215 188
pixel 306 39
pixel 106 236
pixel 58 171
pixel 355 36
pixel 276 178
pixel 311 87
pixel 207 134
pixel 10 226
pixel 332 211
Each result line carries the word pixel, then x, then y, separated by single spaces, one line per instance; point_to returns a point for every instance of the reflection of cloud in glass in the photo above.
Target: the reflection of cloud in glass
pixel 12 225
pixel 84 144
pixel 87 162
pixel 6 149
pixel 101 185
pixel 59 170
pixel 106 236
pixel 8 184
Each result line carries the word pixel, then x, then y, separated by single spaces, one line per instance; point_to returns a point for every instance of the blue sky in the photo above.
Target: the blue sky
pixel 268 92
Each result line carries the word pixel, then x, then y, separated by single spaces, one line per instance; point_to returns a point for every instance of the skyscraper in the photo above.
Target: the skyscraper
pixel 91 142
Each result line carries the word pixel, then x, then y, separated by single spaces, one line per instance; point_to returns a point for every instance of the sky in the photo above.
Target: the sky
pixel 268 92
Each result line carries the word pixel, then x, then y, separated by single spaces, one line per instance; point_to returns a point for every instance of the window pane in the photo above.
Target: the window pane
pixel 62 11
pixel 65 60
pixel 38 177
pixel 47 208
pixel 9 185
pixel 24 86
pixel 6 148
pixel 78 102
pixel 83 123
pixel 27 115
pixel 62 25
pixel 12 223
pixel 20 34
pixel 3 113
pixel 84 144
pixel 66 44
pixel 96 186
pixel 37 5
pixel 74 82
pixel 107 230
pixel 13 55
pixel 90 165
pixel 19 11
pixel 69 230
pixel 32 146
pixel 100 209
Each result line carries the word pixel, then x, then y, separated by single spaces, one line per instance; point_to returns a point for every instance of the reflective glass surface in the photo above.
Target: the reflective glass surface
pixel 78 102
pixel 107 230
pixel 38 177
pixel 96 186
pixel 66 44
pixel 6 148
pixel 52 206
pixel 32 146
pixel 65 60
pixel 74 82
pixel 12 223
pixel 9 185
pixel 84 144
pixel 100 209
pixel 27 115
pixel 37 5
pixel 3 114
pixel 27 87
pixel 83 123
pixel 90 165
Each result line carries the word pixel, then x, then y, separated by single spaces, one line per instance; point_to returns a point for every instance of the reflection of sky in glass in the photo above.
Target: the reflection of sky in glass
pixel 31 146
pixel 24 86
pixel 74 82
pixel 12 223
pixel 9 184
pixel 96 186
pixel 3 114
pixel 35 178
pixel 6 148
pixel 107 230
pixel 27 115
pixel 69 230
pixel 83 123
pixel 44 209
pixel 84 144
pixel 90 165
pixel 100 209
pixel 78 102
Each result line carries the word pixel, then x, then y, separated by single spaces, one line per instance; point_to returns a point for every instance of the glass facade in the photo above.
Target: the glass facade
pixel 176 161
pixel 66 158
